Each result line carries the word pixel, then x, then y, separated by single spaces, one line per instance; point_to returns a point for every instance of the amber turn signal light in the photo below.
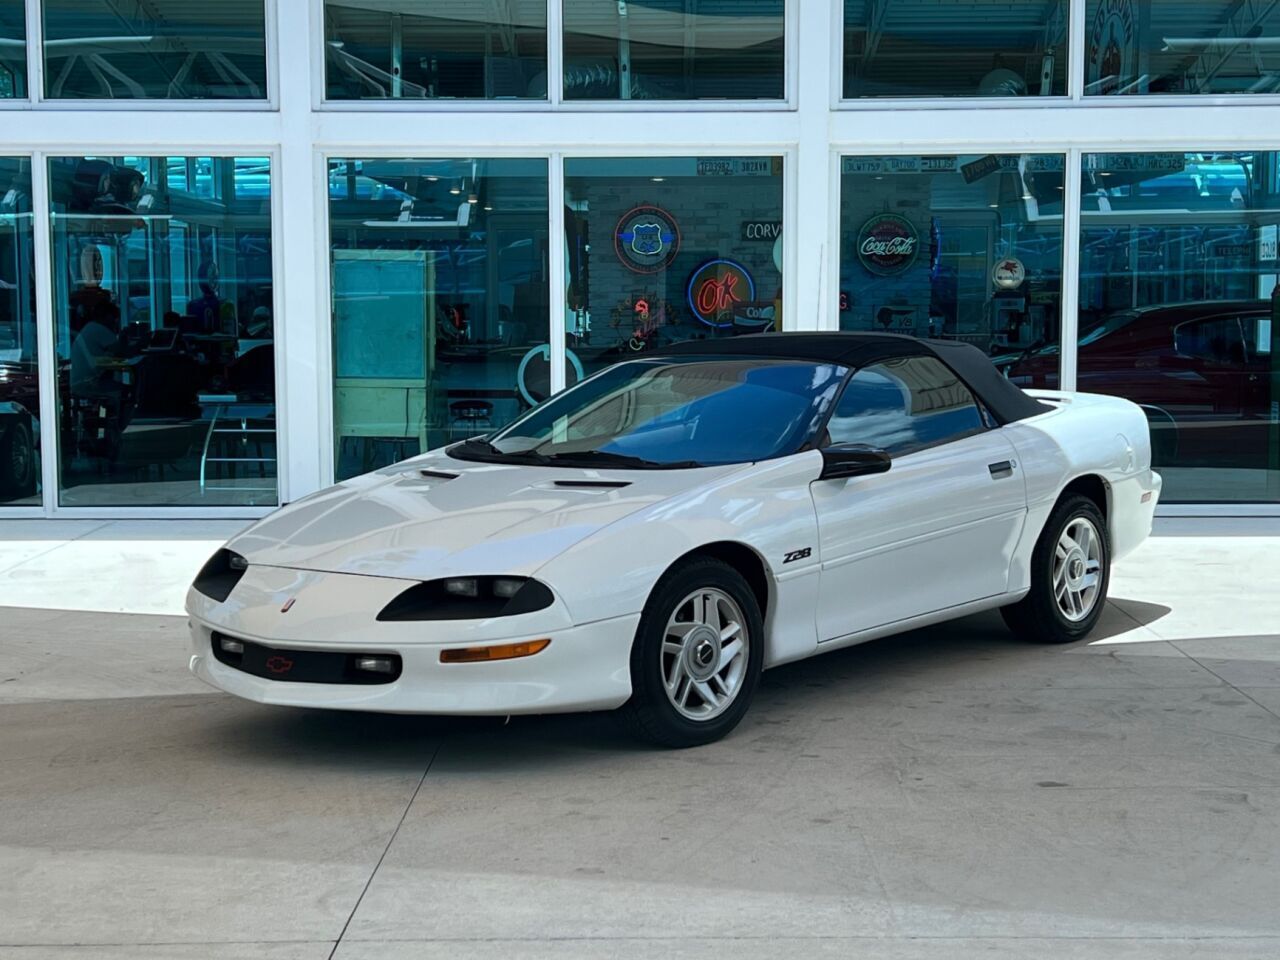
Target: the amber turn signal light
pixel 503 651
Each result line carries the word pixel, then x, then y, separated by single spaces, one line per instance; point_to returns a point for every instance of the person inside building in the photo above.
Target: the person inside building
pixel 94 365
pixel 204 313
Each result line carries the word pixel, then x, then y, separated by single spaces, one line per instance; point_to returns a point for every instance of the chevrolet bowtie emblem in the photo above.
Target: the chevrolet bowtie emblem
pixel 288 604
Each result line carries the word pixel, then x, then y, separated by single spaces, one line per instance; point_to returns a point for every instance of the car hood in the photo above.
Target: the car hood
pixel 434 516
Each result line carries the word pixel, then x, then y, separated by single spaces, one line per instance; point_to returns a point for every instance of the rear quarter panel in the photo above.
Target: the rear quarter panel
pixel 1085 434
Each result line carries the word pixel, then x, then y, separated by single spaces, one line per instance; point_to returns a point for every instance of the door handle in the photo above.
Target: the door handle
pixel 1002 469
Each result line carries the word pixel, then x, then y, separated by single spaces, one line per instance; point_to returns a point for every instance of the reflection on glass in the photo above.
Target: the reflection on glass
pixel 1179 310
pixel 673 412
pixel 905 405
pixel 666 249
pixel 157 50
pixel 959 48
pixel 13 50
pixel 378 49
pixel 674 50
pixel 1181 47
pixel 440 302
pixel 163 318
pixel 19 381
pixel 957 247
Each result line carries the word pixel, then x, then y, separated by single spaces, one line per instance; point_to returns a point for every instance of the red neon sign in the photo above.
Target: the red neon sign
pixel 714 289
pixel 718 294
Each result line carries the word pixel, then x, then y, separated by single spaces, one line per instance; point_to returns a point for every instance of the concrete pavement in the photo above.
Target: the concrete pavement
pixel 951 793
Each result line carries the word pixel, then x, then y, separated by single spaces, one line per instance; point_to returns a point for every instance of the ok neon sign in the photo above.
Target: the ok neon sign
pixel 718 294
pixel 715 287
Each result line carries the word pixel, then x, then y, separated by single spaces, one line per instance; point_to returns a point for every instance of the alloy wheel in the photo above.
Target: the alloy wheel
pixel 1077 569
pixel 704 654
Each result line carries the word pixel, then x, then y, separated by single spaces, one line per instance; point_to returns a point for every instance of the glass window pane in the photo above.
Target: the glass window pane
pixel 905 405
pixel 1180 313
pixel 440 302
pixel 674 50
pixel 1181 47
pixel 13 50
pixel 163 320
pixel 375 49
pixel 959 48
pixel 678 410
pixel 667 249
pixel 957 247
pixel 19 377
pixel 158 50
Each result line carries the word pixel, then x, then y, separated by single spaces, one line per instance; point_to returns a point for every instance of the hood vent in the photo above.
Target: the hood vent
pixel 437 475
pixel 593 484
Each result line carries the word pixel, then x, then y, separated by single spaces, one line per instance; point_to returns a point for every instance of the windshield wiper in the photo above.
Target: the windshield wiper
pixel 481 448
pixel 480 442
pixel 478 448
pixel 604 458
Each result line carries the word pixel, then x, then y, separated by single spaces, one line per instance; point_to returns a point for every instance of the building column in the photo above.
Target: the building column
pixel 304 398
pixel 810 259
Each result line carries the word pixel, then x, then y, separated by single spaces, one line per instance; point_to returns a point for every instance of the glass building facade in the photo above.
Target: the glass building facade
pixel 158 50
pixel 251 248
pixel 441 322
pixel 164 330
pixel 19 346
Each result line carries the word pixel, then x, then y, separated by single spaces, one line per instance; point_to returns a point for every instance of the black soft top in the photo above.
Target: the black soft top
pixel 1004 399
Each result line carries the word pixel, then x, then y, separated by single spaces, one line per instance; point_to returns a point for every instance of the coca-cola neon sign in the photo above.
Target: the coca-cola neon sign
pixel 716 288
pixel 888 244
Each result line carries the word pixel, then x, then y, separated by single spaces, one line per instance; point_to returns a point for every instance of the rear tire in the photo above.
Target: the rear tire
pixel 697 656
pixel 1070 573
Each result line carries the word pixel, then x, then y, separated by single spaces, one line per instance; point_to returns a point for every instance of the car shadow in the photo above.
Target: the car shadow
pixel 931 656
pixel 1140 611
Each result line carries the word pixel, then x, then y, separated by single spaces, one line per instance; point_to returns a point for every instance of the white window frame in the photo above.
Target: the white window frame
pixel 1075 97
pixel 811 130
pixel 36 98
pixel 47 348
pixel 1070 246
pixel 555 82
pixel 555 224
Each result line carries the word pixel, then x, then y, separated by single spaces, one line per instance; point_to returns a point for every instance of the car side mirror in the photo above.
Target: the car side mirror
pixel 843 460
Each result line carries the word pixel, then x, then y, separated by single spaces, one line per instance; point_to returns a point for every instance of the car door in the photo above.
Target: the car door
pixel 939 528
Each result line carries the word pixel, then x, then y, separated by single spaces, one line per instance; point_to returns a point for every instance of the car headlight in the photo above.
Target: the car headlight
pixel 218 577
pixel 469 598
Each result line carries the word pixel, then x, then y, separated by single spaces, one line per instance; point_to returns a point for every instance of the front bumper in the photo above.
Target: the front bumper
pixel 585 667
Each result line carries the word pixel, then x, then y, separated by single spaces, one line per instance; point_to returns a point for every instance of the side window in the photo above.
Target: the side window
pixel 1217 340
pixel 904 405
pixel 1257 337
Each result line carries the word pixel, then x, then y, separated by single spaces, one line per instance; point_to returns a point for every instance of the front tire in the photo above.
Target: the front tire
pixel 1070 572
pixel 697 655
pixel 17 461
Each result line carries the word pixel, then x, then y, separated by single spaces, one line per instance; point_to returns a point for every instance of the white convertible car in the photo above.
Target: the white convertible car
pixel 654 537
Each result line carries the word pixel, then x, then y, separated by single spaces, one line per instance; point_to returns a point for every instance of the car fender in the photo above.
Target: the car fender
pixel 766 507
pixel 1084 434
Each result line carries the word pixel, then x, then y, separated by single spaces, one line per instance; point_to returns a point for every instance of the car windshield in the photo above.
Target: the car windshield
pixel 1089 332
pixel 671 413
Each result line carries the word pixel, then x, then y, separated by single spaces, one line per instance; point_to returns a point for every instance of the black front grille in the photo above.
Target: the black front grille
pixel 302 666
